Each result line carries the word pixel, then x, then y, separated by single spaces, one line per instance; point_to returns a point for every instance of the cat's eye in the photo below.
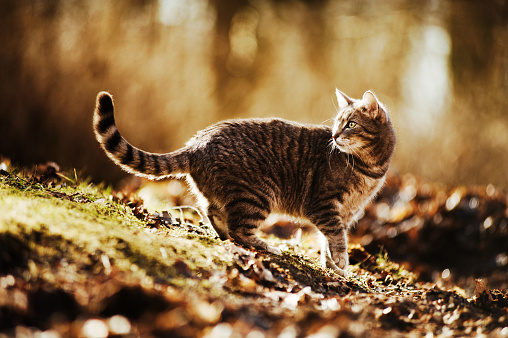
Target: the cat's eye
pixel 351 124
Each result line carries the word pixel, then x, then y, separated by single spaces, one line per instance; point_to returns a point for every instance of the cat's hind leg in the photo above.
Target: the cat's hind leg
pixel 248 238
pixel 244 216
pixel 218 221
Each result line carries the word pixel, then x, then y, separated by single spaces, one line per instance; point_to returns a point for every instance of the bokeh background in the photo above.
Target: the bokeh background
pixel 176 66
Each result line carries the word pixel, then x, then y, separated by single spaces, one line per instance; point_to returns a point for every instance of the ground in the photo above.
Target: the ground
pixel 79 259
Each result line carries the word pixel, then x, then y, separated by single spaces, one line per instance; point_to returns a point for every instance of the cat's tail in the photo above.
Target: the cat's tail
pixel 128 157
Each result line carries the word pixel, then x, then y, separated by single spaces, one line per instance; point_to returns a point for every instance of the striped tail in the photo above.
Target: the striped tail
pixel 128 157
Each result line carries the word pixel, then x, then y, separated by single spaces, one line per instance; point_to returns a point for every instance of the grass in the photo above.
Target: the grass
pixel 79 223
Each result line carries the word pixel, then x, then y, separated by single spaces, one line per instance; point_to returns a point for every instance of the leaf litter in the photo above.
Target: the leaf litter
pixel 416 261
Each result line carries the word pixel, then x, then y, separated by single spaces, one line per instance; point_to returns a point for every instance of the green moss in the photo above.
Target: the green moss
pixel 396 272
pixel 79 223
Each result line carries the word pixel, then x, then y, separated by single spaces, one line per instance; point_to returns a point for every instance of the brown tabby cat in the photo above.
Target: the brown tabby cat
pixel 246 169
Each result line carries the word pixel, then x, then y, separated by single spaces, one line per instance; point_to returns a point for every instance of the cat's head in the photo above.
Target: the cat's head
pixel 361 125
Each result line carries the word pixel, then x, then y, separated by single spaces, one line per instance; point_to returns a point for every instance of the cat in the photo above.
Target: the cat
pixel 244 169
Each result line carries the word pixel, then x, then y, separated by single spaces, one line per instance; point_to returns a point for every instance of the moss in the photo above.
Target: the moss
pixel 396 272
pixel 81 224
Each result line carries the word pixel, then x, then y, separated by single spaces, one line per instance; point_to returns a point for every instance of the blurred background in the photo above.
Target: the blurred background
pixel 176 66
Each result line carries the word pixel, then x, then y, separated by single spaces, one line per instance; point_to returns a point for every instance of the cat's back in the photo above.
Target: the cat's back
pixel 262 132
pixel 259 147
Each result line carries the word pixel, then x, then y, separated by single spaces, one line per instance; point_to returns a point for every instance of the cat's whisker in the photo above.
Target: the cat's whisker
pixel 332 147
pixel 350 152
pixel 354 151
pixel 335 146
pixel 329 147
pixel 347 160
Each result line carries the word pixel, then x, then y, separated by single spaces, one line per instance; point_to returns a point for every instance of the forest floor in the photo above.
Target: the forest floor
pixel 84 260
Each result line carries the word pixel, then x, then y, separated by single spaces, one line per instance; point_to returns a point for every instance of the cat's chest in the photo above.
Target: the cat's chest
pixel 354 202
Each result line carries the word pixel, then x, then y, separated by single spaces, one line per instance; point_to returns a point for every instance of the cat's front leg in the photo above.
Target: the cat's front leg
pixel 334 240
pixel 337 257
pixel 217 220
pixel 338 248
pixel 326 259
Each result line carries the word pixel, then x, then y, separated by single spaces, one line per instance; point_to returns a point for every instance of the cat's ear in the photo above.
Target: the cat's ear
pixel 342 99
pixel 373 107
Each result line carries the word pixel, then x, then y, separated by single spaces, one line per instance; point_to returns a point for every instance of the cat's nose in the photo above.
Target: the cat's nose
pixel 336 135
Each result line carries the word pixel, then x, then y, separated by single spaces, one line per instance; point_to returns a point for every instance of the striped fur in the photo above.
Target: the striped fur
pixel 246 169
pixel 128 157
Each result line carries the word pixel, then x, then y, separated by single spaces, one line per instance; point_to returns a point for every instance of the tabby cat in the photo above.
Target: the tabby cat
pixel 245 169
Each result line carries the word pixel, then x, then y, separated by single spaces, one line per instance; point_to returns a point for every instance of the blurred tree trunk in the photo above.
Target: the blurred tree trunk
pixel 231 89
pixel 27 25
pixel 226 10
pixel 479 64
pixel 478 29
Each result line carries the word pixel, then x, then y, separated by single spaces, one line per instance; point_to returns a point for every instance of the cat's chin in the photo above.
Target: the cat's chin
pixel 342 148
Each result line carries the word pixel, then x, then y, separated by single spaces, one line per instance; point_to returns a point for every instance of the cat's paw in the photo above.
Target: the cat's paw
pixel 341 259
pixel 274 250
pixel 336 269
